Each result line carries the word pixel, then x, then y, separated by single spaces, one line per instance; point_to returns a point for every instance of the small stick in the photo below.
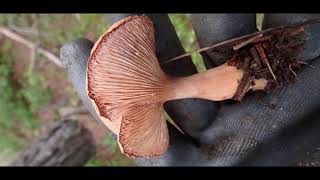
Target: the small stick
pixel 292 71
pixel 256 56
pixel 202 49
pixel 33 47
pixel 72 111
pixel 297 30
pixel 262 72
pixel 265 59
pixel 6 32
pixel 244 83
pixel 243 88
pixel 244 43
pixel 51 57
pixel 301 62
pixel 234 40
pixel 262 39
pixel 23 30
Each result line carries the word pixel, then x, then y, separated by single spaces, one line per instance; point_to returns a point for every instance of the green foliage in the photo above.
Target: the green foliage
pixel 95 162
pixel 118 158
pixel 33 91
pixel 259 19
pixel 20 98
pixel 10 143
pixel 110 142
pixel 94 22
pixel 183 27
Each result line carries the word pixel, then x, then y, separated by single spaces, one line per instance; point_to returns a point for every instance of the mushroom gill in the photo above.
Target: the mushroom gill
pixel 128 88
pixel 125 83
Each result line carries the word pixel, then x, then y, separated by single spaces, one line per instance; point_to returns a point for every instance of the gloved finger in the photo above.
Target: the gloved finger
pixel 254 124
pixel 215 28
pixel 258 135
pixel 256 121
pixel 241 128
pixel 291 147
pixel 74 56
pixel 191 115
pixel 311 49
pixel 278 129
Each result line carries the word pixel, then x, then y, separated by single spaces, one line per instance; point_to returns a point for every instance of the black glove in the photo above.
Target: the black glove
pixel 278 129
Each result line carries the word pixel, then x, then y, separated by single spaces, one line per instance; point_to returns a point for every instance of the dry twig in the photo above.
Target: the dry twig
pixel 16 37
pixel 265 59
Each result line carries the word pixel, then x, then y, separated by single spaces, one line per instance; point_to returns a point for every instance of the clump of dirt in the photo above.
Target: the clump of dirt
pixel 274 57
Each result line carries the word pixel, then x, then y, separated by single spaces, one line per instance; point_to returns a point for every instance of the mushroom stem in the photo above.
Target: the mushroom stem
pixel 216 84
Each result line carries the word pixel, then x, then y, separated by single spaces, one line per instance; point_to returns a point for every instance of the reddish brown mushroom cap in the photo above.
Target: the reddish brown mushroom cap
pixel 125 85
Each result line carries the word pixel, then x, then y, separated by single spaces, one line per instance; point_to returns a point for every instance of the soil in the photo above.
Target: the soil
pixel 274 57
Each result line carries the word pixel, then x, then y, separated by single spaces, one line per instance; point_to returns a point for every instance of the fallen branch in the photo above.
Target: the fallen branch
pixel 238 46
pixel 265 59
pixel 23 30
pixel 66 143
pixel 16 37
pixel 67 112
pixel 53 58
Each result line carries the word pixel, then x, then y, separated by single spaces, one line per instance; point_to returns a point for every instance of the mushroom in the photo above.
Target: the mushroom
pixel 127 86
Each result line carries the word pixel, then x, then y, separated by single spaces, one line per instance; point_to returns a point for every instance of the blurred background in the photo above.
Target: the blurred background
pixel 34 88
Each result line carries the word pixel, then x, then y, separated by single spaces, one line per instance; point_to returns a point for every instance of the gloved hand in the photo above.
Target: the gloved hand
pixel 281 128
